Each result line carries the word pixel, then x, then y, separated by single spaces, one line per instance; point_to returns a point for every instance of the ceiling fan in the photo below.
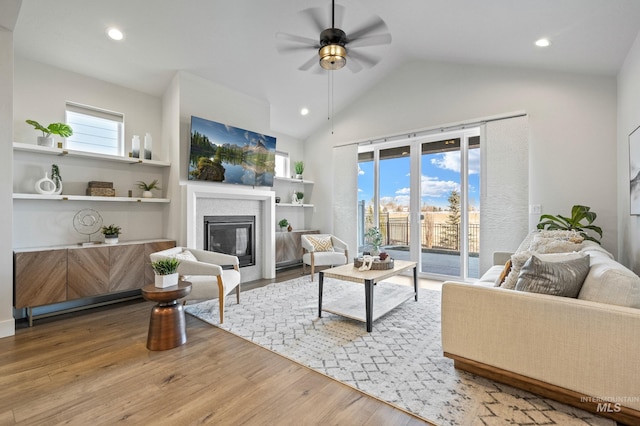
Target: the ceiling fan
pixel 335 48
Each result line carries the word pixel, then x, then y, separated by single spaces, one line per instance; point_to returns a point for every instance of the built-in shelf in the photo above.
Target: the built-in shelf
pixel 63 197
pixel 37 149
pixel 284 179
pixel 293 205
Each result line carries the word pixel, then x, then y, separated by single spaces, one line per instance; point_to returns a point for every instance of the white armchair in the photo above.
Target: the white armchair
pixel 323 250
pixel 203 269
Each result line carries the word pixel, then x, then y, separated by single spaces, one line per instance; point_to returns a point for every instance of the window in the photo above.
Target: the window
pixel 282 164
pixel 95 130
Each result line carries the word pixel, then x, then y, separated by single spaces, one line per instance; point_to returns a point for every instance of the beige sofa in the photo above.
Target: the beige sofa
pixel 582 351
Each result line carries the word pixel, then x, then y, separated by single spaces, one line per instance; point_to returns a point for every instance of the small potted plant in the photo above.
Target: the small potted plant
pixel 166 271
pixel 148 187
pixel 111 233
pixel 374 237
pixel 299 167
pixel 283 224
pixel 60 129
pixel 299 196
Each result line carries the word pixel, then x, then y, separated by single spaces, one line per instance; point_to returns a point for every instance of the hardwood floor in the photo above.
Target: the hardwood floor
pixel 93 367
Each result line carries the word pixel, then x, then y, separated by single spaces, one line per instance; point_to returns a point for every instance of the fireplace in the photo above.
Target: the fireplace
pixel 233 235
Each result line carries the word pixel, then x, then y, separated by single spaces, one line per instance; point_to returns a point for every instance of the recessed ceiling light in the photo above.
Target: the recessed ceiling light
pixel 115 34
pixel 543 42
pixel 304 111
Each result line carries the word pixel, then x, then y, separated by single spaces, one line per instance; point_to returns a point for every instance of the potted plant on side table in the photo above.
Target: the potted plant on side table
pixel 166 271
pixel 60 129
pixel 111 233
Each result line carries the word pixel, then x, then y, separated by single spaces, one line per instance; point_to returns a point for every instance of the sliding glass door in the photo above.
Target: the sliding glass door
pixel 433 218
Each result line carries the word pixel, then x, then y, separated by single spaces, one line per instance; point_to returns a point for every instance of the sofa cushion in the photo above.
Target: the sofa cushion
pixel 543 244
pixel 558 277
pixel 610 282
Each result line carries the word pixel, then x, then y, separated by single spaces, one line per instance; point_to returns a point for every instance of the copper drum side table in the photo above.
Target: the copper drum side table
pixel 167 328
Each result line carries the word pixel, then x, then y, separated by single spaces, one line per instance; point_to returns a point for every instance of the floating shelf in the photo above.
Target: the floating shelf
pixel 37 149
pixel 293 205
pixel 63 197
pixel 284 179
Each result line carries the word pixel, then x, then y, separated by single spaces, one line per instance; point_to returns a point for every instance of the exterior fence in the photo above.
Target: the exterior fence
pixel 395 231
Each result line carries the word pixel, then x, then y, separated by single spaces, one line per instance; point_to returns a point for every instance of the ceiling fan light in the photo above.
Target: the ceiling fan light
pixel 332 56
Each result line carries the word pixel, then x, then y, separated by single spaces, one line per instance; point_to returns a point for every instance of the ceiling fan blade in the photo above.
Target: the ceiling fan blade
pixel 298 48
pixel 298 39
pixel 373 40
pixel 367 60
pixel 375 23
pixel 313 60
pixel 353 64
pixel 315 16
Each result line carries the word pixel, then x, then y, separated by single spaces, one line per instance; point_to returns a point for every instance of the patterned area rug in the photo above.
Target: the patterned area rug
pixel 400 361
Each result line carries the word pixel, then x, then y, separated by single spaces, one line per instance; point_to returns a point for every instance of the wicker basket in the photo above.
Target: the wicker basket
pixel 377 264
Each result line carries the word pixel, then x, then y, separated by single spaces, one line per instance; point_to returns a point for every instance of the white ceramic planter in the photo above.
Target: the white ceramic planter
pixel 108 239
pixel 45 140
pixel 163 281
pixel 147 194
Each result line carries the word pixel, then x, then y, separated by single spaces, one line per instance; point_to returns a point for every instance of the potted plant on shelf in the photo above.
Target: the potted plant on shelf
pixel 299 196
pixel 148 187
pixel 60 129
pixel 166 271
pixel 283 224
pixel 111 233
pixel 299 167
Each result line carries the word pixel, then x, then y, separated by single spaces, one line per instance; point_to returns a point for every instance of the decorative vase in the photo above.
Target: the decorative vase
pixel 163 281
pixel 299 176
pixel 135 147
pixel 111 239
pixel 45 140
pixel 147 194
pixel 147 146
pixel 289 228
pixel 45 185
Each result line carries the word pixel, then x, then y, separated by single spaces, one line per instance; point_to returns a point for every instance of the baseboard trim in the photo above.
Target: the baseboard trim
pixel 7 328
pixel 615 412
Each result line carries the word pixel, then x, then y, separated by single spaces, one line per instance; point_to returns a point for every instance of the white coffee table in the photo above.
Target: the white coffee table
pixel 392 298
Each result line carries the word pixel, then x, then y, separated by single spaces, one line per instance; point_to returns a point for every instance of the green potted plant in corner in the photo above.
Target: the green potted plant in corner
pixel 283 224
pixel 299 196
pixel 60 129
pixel 111 233
pixel 574 223
pixel 166 272
pixel 299 167
pixel 148 187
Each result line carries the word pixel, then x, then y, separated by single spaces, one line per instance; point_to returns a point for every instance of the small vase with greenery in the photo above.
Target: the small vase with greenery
pixel 56 178
pixel 283 224
pixel 166 271
pixel 111 233
pixel 60 129
pixel 148 187
pixel 374 238
pixel 581 220
pixel 299 167
pixel 300 196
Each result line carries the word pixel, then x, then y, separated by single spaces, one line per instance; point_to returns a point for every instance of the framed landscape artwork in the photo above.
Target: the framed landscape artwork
pixel 634 171
pixel 227 154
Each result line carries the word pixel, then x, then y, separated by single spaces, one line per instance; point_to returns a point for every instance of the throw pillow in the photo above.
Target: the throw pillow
pixel 520 258
pixel 610 282
pixel 542 244
pixel 554 278
pixel 186 255
pixel 321 243
pixel 504 273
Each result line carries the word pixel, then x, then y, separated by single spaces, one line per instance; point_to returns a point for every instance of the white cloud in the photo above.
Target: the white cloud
pixel 360 171
pixel 451 161
pixel 433 187
pixel 403 191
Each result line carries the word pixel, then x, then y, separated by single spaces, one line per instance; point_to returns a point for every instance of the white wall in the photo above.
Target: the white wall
pixel 7 325
pixel 572 120
pixel 628 120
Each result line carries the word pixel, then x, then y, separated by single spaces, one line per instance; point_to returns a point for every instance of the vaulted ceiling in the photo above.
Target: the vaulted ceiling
pixel 233 43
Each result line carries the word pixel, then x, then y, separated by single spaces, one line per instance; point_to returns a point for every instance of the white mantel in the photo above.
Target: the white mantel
pixel 196 192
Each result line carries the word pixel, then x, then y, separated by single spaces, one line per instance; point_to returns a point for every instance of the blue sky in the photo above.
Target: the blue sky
pixel 440 175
